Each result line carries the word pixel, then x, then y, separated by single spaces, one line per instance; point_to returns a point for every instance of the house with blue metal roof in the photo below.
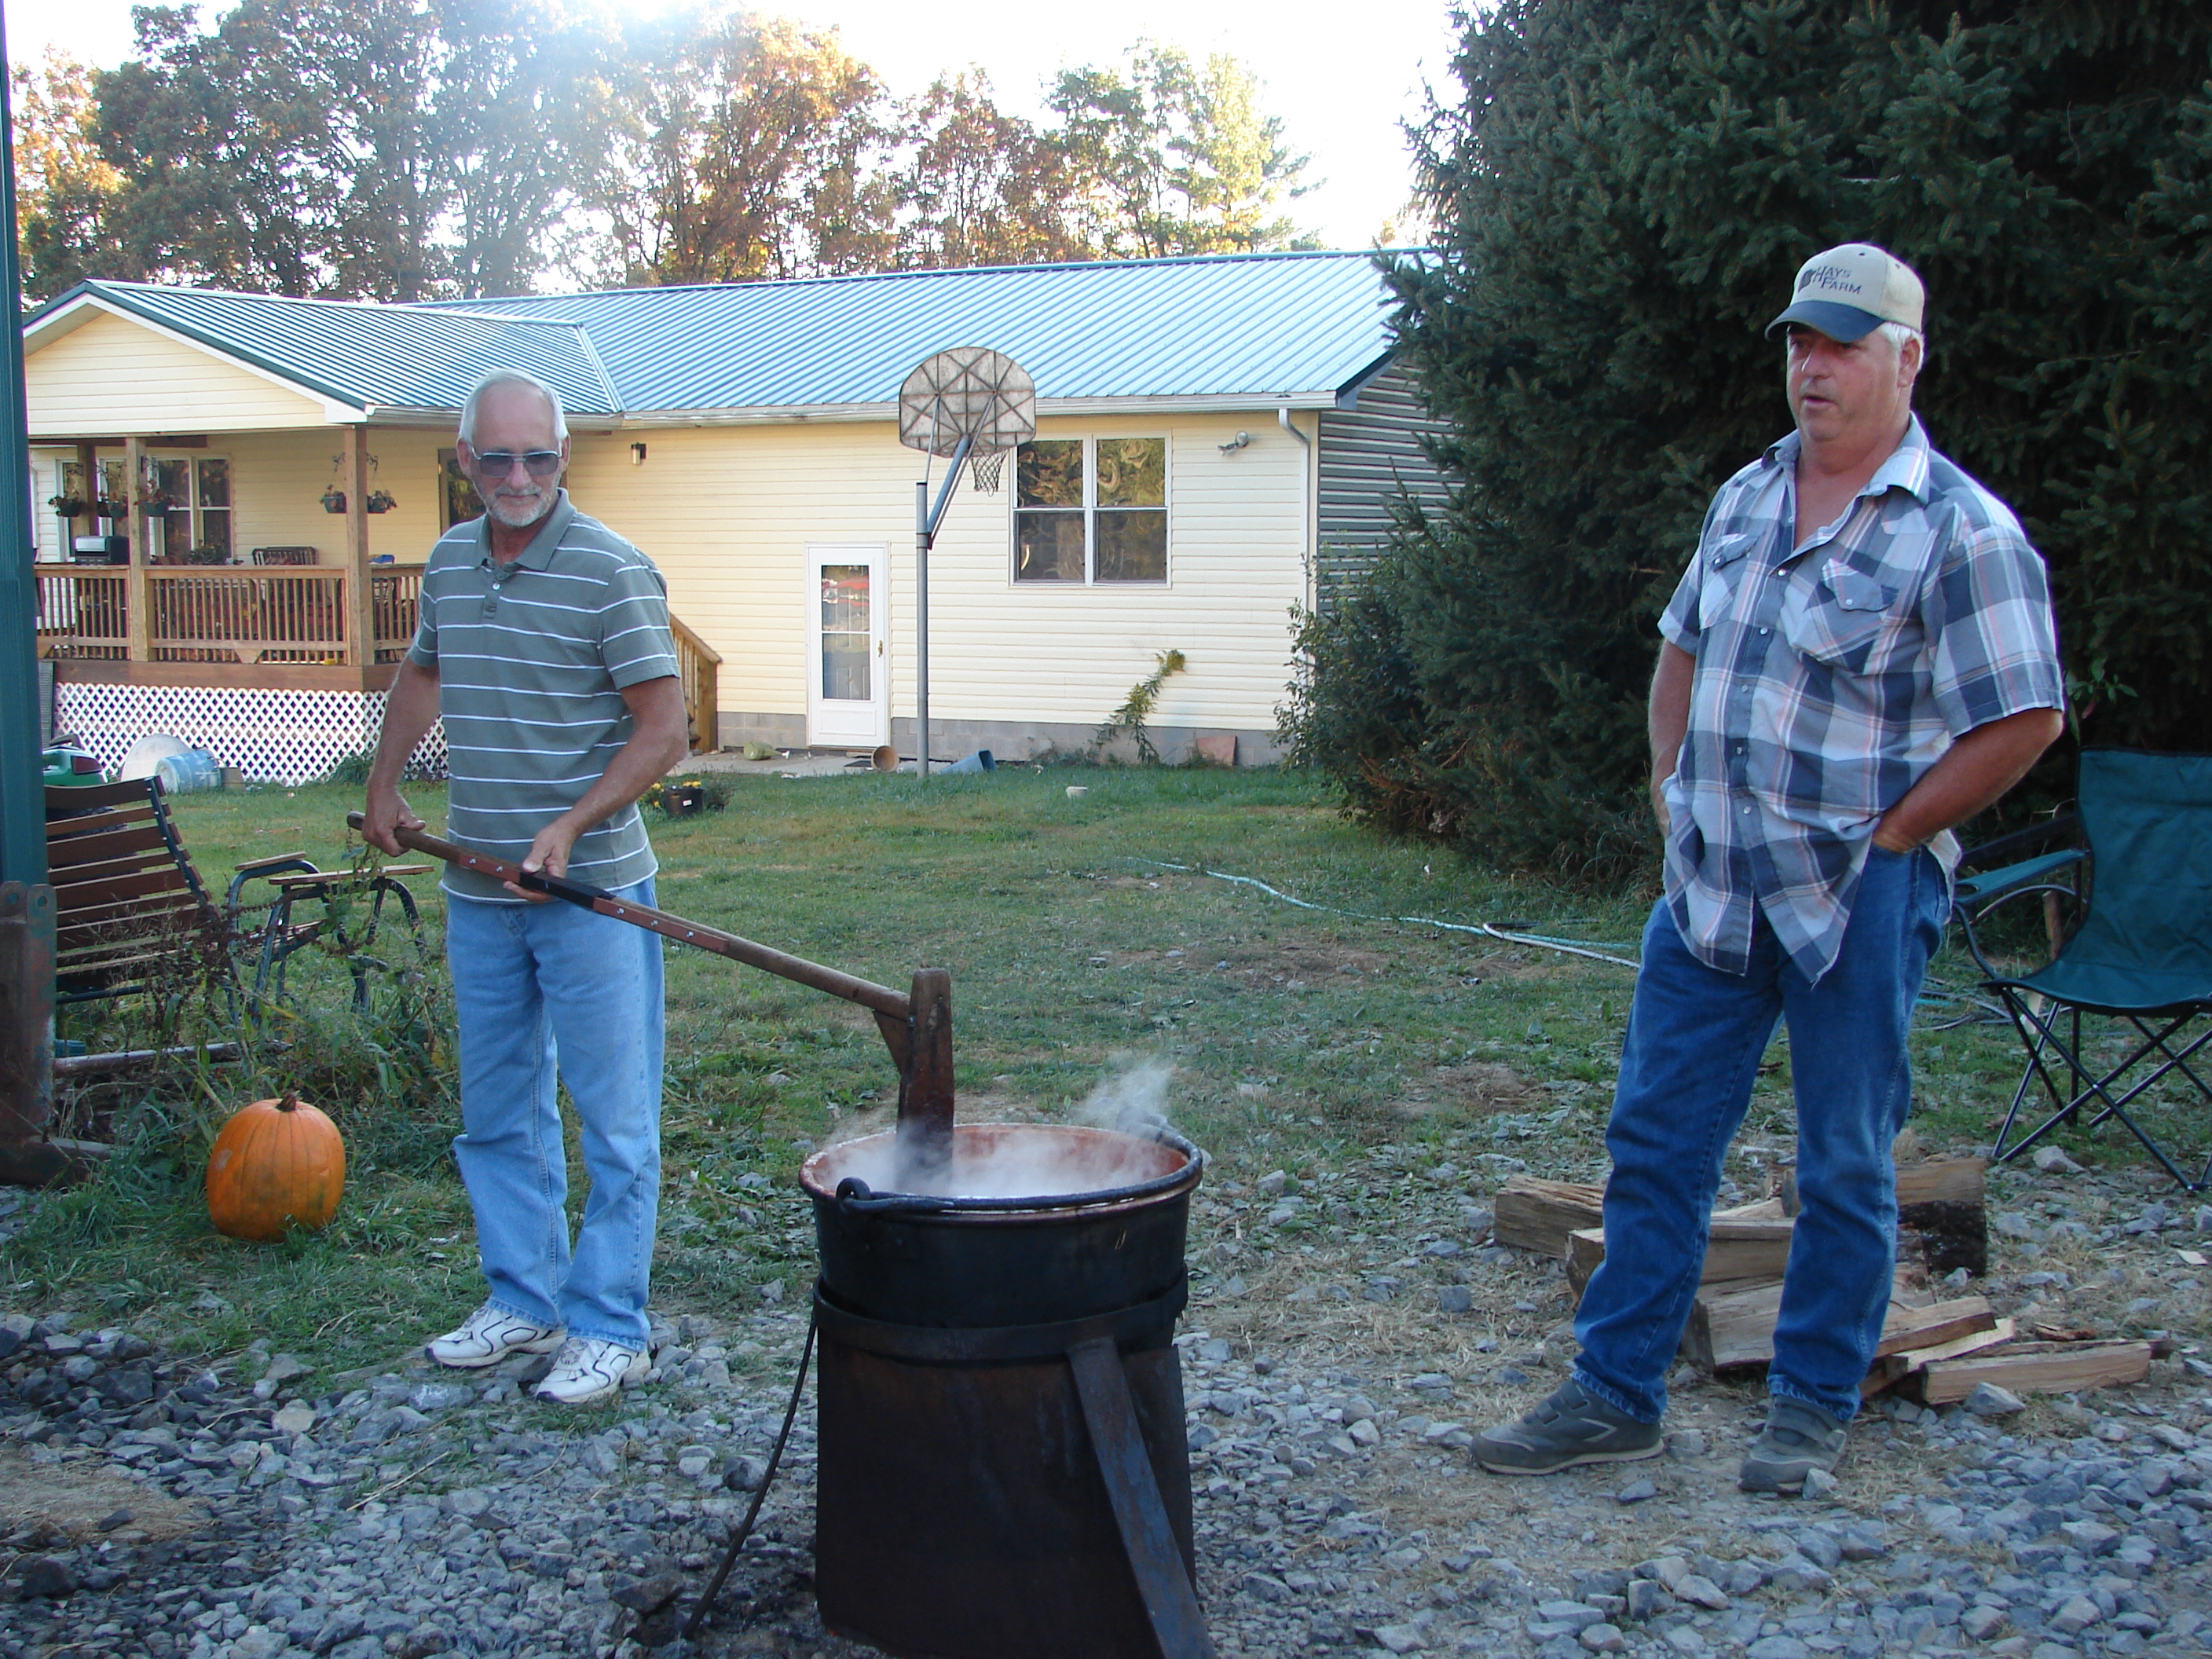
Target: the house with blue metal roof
pixel 235 493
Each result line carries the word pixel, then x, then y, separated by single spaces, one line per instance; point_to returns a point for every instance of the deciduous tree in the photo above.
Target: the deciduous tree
pixel 392 150
pixel 979 186
pixel 738 154
pixel 65 190
pixel 1168 156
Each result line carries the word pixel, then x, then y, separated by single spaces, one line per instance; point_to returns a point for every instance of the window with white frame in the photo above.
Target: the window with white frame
pixel 1092 510
pixel 188 509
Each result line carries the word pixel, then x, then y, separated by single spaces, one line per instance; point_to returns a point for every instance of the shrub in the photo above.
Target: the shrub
pixel 1621 200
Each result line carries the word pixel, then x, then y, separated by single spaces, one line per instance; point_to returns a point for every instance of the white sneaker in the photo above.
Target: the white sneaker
pixel 488 1336
pixel 590 1368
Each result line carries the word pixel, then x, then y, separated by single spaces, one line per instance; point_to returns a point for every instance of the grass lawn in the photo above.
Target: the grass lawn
pixel 1297 1035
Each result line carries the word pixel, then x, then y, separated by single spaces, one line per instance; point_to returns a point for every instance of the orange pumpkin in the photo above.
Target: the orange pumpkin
pixel 276 1163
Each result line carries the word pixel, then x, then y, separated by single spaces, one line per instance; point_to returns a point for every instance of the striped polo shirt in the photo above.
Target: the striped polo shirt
pixel 532 657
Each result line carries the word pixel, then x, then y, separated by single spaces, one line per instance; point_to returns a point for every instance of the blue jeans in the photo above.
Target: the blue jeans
pixel 1695 1037
pixel 537 987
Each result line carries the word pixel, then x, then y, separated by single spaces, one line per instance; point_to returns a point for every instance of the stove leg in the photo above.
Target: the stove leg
pixel 1111 1416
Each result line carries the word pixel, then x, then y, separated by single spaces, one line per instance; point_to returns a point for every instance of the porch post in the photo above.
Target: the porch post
pixel 87 468
pixel 361 600
pixel 138 620
pixel 27 900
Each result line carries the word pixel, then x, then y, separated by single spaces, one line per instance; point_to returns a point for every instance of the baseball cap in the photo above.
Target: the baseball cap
pixel 1851 290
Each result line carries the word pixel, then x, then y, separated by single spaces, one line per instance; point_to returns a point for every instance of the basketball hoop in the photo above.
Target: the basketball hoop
pixel 970 398
pixel 971 404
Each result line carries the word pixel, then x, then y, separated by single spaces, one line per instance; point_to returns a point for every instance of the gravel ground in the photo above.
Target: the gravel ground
pixel 1347 1337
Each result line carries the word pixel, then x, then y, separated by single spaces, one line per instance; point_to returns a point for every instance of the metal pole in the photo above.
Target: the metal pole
pixel 26 985
pixel 926 520
pixel 921 628
pixel 23 812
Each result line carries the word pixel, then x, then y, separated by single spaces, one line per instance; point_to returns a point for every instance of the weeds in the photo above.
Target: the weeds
pixel 1137 707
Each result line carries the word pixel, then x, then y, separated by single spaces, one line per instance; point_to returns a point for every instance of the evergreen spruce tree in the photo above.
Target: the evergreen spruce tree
pixel 1621 200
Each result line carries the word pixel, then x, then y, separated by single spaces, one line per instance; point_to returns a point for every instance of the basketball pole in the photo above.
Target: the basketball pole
pixel 926 520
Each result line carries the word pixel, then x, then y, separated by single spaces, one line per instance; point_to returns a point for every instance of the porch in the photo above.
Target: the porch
pixel 157 616
pixel 267 629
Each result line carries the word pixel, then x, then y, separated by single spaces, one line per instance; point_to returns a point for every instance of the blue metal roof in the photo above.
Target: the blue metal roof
pixel 1246 325
pixel 1257 326
pixel 403 356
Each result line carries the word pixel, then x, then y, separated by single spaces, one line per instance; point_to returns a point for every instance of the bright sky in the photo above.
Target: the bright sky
pixel 1342 79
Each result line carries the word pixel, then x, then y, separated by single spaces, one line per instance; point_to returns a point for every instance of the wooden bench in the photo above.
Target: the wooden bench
pixel 131 912
pixel 129 908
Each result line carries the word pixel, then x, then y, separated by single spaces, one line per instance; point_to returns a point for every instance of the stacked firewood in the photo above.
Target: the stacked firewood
pixel 1937 1346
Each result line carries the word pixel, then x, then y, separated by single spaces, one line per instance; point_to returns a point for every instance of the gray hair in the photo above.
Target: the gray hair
pixel 500 377
pixel 1898 333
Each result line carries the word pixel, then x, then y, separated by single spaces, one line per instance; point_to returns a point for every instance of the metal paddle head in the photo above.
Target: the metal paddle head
pixel 969 393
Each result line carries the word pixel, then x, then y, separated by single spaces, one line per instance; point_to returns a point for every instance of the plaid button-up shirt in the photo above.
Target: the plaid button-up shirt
pixel 1829 678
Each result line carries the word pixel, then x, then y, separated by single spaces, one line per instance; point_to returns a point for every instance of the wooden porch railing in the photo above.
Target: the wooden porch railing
pixel 83 612
pixel 699 666
pixel 197 613
pixel 396 590
pixel 279 615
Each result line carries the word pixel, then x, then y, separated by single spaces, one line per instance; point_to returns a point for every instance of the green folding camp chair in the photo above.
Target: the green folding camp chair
pixel 2137 967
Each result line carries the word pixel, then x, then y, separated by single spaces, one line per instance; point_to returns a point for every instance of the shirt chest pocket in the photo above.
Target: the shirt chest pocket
pixel 1722 567
pixel 1858 621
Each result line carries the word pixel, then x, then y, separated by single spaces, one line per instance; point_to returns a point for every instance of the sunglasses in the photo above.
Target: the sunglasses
pixel 498 463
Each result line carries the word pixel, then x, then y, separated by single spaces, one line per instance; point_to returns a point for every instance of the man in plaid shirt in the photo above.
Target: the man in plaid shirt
pixel 1861 656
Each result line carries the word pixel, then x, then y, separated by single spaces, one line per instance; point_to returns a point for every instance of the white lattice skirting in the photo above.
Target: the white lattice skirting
pixel 287 736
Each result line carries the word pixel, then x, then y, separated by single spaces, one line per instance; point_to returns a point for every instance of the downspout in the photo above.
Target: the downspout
pixel 1308 554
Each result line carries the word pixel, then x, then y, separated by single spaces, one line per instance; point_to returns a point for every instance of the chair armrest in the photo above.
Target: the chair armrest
pixel 254 866
pixel 1977 893
pixel 264 868
pixel 1994 852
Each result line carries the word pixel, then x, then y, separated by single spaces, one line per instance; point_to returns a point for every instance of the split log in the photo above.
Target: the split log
pixel 1761 1209
pixel 1930 1181
pixel 1746 1248
pixel 2033 1367
pixel 1734 1329
pixel 1890 1368
pixel 1907 1328
pixel 1940 1217
pixel 1585 1249
pixel 1532 1213
pixel 1740 1249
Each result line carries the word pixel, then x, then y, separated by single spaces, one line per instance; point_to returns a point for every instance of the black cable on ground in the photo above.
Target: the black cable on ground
pixel 768 1478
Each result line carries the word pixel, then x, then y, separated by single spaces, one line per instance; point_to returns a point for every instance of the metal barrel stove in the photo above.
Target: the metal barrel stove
pixel 1002 1461
pixel 1001 1458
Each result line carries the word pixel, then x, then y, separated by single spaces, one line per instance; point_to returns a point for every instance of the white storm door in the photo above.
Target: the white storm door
pixel 847 679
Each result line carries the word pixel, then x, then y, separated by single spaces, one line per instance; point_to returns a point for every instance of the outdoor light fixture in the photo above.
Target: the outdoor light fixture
pixel 1235 443
pixel 637 454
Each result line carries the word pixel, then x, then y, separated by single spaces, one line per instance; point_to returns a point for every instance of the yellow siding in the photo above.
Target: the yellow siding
pixel 728 513
pixel 278 480
pixel 115 376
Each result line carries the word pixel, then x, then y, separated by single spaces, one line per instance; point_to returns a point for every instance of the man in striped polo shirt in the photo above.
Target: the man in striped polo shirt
pixel 544 644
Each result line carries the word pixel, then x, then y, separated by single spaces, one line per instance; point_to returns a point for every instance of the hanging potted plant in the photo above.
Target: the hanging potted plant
pixel 69 506
pixel 107 507
pixel 379 500
pixel 334 500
